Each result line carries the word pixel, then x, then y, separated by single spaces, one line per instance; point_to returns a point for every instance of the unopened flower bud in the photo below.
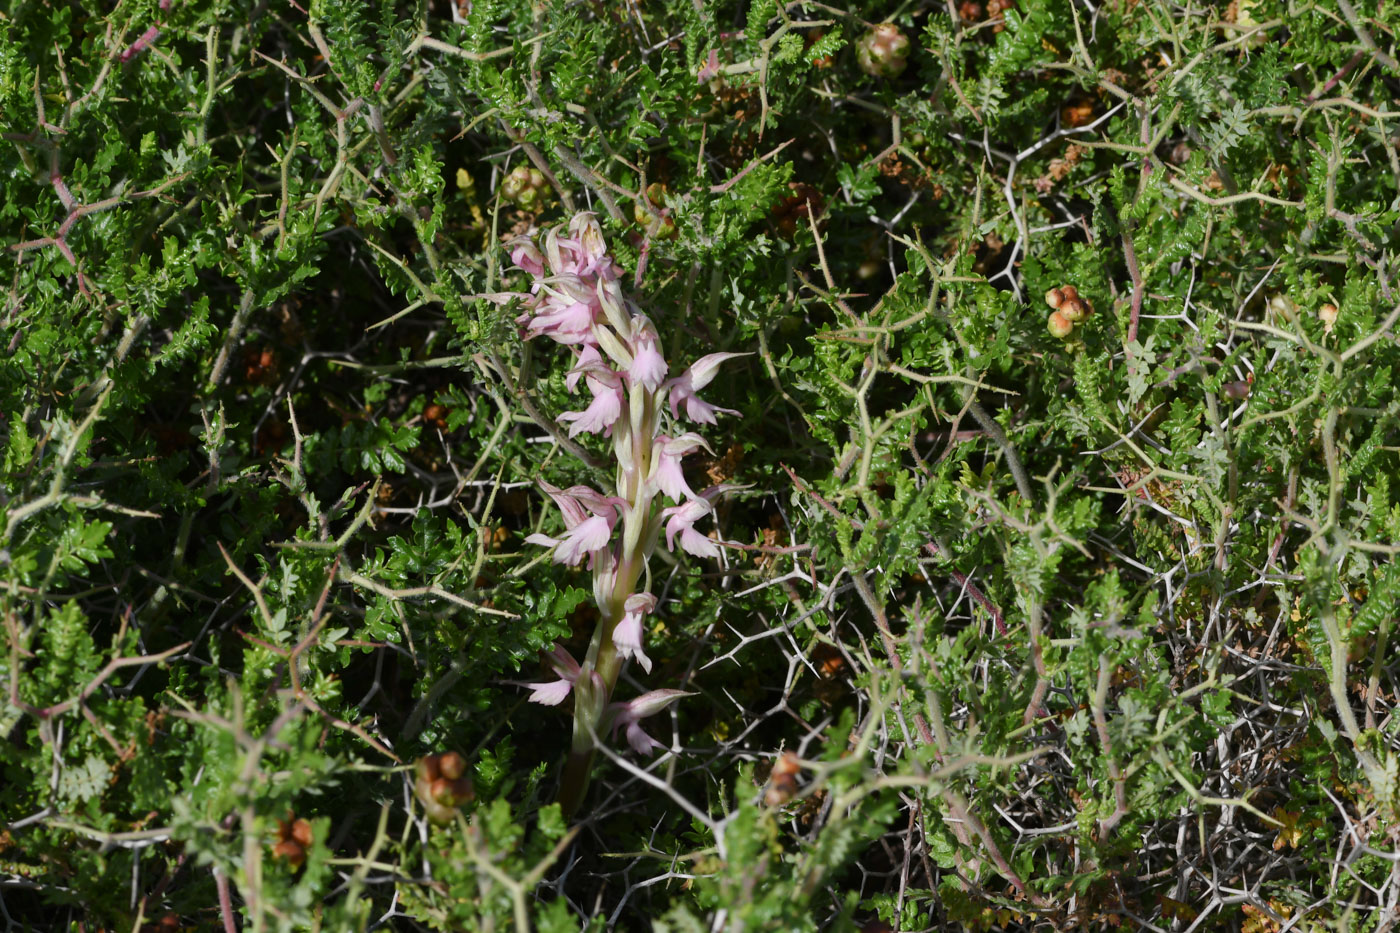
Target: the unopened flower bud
pixel 1069 292
pixel 1059 325
pixel 1074 310
pixel 1054 297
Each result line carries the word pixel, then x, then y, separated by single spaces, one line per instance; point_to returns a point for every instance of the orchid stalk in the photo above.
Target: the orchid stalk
pixel 576 299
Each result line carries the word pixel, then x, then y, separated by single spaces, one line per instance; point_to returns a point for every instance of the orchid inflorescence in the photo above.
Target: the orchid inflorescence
pixel 576 300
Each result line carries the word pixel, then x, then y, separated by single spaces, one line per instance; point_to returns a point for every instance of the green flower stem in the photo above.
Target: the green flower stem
pixel 589 710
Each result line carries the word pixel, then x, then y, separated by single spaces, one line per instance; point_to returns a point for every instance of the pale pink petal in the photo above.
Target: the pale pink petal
pixel 703 370
pixel 568 502
pixel 527 256
pixel 682 517
pixel 710 68
pixel 648 366
pixel 551 693
pixel 598 416
pixel 650 703
pixel 583 539
pixel 697 544
pixel 627 636
pixel 588 356
pixel 642 743
pixel 702 412
pixel 670 479
pixel 563 663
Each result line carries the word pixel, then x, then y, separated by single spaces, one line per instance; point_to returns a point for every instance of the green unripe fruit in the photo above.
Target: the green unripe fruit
pixel 658 228
pixel 883 52
pixel 525 186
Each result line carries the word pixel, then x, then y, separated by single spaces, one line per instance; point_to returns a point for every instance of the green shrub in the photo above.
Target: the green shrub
pixel 1014 629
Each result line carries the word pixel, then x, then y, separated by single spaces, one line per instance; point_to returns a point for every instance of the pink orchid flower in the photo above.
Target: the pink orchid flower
pixel 554 692
pixel 606 407
pixel 699 375
pixel 527 256
pixel 627 716
pixel 627 635
pixel 585 534
pixel 648 365
pixel 666 472
pixel 681 521
pixel 565 311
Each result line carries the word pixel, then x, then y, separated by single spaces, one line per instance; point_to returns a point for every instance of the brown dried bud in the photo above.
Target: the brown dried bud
pixel 1077 113
pixel 463 791
pixel 1236 390
pixel 787 765
pixel 780 791
pixel 301 833
pixel 289 851
pixel 452 766
pixel 435 415
pixel 443 792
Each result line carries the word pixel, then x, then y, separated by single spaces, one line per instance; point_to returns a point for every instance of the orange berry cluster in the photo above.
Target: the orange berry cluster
pixel 782 781
pixel 1067 310
pixel 293 839
pixel 442 785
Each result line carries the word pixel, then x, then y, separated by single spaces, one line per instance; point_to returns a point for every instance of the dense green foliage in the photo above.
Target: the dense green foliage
pixel 1064 633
